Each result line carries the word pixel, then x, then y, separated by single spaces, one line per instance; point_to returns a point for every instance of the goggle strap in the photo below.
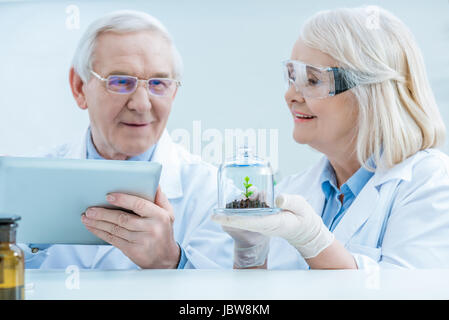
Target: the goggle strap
pixel 341 82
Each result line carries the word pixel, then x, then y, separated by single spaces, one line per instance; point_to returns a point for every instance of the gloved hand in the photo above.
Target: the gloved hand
pixel 297 223
pixel 250 248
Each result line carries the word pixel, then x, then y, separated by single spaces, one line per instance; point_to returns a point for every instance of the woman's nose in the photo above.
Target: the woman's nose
pixel 292 94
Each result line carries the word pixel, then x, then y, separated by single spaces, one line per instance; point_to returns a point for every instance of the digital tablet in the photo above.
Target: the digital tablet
pixel 51 194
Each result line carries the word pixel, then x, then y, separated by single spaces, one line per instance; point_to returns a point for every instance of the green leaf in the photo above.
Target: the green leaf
pixel 247 179
pixel 249 194
pixel 249 185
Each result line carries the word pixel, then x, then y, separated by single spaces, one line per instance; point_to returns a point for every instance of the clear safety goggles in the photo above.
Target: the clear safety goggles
pixel 123 84
pixel 315 82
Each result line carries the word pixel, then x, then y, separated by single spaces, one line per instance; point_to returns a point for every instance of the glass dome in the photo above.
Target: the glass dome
pixel 245 185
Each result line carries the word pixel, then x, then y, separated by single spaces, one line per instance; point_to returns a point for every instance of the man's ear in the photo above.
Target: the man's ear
pixel 174 94
pixel 76 84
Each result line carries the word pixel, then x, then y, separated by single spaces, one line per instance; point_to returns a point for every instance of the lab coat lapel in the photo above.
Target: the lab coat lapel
pixel 362 207
pixel 167 155
pixel 78 149
pixel 372 197
pixel 313 192
pixel 314 198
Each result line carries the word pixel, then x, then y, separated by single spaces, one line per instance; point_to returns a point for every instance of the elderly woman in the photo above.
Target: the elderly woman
pixel 358 93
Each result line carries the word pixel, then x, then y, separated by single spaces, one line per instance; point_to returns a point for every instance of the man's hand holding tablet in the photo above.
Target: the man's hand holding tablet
pixel 145 237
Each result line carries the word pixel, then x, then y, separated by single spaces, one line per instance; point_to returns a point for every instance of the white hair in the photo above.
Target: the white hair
pixel 398 115
pixel 123 21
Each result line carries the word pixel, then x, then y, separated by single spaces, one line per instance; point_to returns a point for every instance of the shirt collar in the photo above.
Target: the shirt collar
pixel 355 183
pixel 92 153
pixel 359 180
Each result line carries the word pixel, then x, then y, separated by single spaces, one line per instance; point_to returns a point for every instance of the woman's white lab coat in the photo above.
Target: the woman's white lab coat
pixel 399 219
pixel 191 187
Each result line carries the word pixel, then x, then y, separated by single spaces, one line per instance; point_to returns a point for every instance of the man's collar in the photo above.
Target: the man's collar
pixel 92 152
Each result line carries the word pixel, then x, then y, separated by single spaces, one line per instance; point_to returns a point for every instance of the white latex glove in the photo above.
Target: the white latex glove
pixel 250 248
pixel 297 223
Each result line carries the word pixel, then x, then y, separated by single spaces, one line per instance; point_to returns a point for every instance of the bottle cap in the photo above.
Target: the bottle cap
pixel 8 219
pixel 8 227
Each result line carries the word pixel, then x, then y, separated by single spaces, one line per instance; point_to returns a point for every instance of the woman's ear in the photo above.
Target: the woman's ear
pixel 76 84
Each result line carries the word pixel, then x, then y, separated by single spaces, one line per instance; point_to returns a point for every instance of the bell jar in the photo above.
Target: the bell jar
pixel 245 185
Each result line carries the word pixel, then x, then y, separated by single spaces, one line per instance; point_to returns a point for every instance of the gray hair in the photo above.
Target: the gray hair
pixel 123 21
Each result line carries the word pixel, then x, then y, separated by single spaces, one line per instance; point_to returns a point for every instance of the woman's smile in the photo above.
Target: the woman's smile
pixel 302 117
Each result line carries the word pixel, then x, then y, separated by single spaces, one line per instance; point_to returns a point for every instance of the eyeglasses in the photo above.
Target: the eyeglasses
pixel 316 82
pixel 123 84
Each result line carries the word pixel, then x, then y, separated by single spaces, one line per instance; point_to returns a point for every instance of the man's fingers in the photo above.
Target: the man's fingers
pixel 162 201
pixel 116 241
pixel 126 220
pixel 140 206
pixel 110 228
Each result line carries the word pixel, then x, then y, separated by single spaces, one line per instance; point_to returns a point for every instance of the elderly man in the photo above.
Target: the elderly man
pixel 126 73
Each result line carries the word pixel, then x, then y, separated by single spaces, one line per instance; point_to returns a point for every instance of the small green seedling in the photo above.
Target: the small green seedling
pixel 247 185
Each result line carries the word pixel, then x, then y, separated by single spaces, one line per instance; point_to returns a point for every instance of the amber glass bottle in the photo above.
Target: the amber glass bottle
pixel 11 261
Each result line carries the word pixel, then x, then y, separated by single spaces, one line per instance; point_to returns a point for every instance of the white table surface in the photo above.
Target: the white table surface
pixel 237 284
